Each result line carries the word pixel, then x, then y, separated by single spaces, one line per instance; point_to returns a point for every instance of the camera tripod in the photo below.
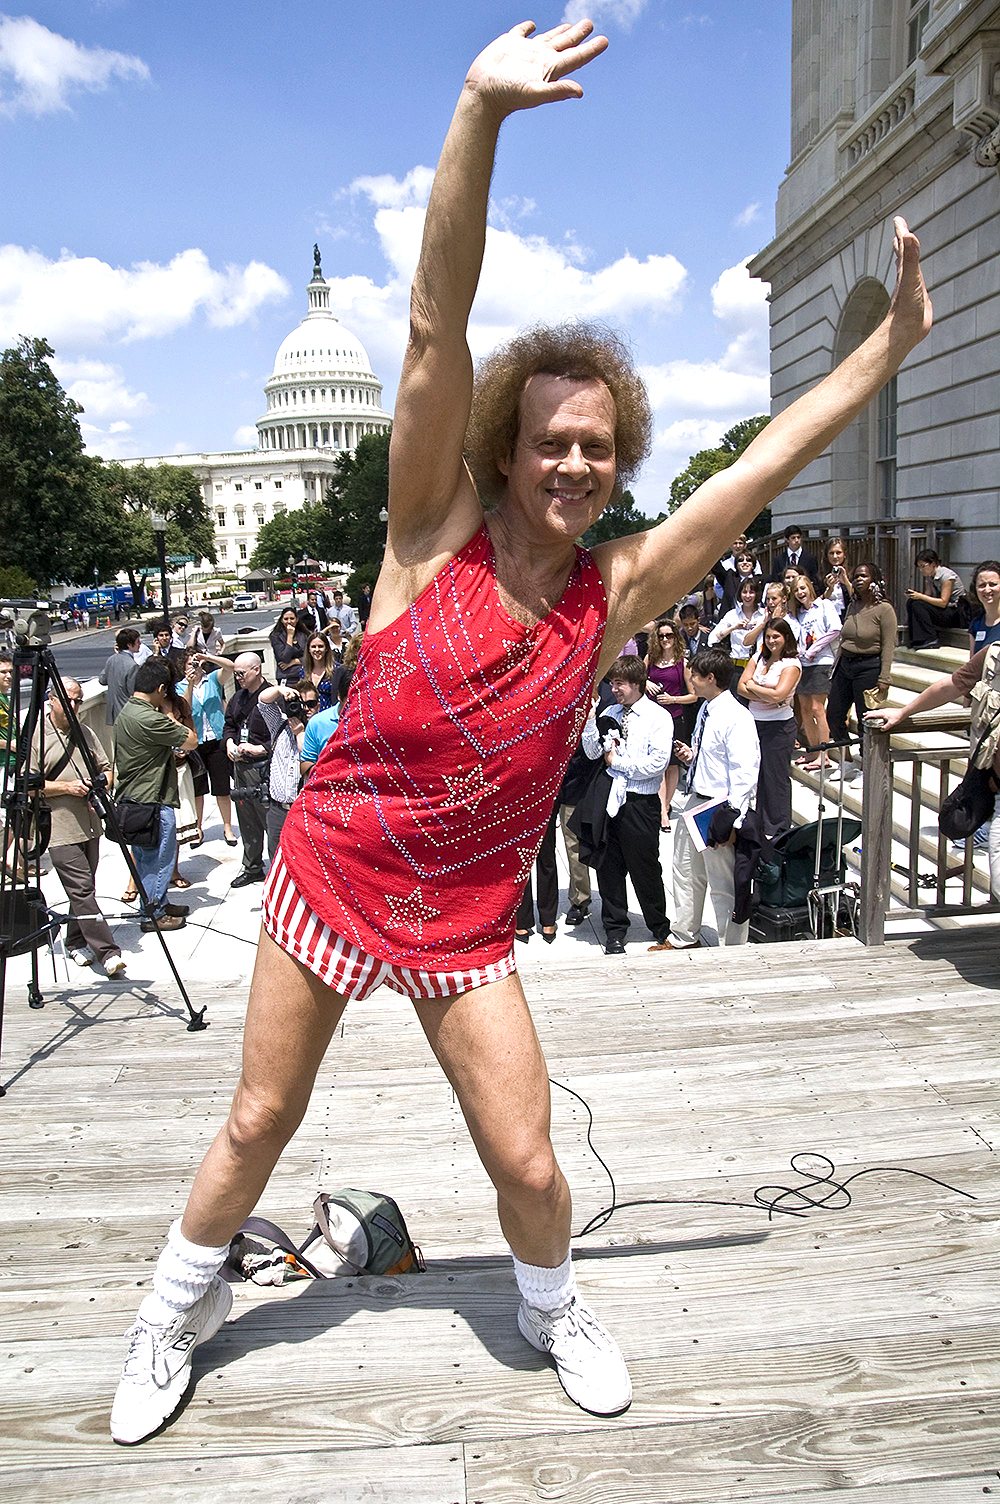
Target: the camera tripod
pixel 26 923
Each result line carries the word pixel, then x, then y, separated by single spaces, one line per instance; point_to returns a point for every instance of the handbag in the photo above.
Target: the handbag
pixel 355 1232
pixel 971 803
pixel 138 822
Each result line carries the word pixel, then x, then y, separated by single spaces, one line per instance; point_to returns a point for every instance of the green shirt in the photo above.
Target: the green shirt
pixel 145 739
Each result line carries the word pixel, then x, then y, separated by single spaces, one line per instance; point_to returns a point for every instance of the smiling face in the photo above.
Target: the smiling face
pixel 804 592
pixel 6 675
pixel 317 649
pixel 987 587
pixel 749 597
pixel 774 641
pixel 625 692
pixel 562 472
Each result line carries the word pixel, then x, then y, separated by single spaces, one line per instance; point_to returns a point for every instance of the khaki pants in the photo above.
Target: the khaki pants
pixel 695 874
pixel 77 867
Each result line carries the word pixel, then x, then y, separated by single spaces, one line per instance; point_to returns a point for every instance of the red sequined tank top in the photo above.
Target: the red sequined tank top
pixel 419 826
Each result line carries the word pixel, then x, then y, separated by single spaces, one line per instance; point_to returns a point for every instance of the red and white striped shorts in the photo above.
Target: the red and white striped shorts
pixel 291 924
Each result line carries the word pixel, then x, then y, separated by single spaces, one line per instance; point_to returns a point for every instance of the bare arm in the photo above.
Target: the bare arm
pixel 649 568
pixel 937 694
pixel 433 506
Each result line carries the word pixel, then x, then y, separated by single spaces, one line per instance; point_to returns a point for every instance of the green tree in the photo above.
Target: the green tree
pixel 55 524
pixel 290 535
pixel 620 517
pixel 351 532
pixel 708 462
pixel 136 491
pixel 15 584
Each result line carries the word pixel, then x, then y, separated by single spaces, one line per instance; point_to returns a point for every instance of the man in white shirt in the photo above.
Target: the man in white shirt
pixel 723 763
pixel 636 756
pixel 346 615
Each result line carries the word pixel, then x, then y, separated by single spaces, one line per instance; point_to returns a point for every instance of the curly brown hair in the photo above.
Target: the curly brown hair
pixel 576 350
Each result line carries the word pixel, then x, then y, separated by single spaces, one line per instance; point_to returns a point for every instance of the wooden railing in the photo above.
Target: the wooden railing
pixel 891 542
pixel 880 760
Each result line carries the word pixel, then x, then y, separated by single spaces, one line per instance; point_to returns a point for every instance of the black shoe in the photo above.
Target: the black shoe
pixel 523 935
pixel 255 875
pixel 576 914
pixel 615 948
pixel 176 910
pixel 548 938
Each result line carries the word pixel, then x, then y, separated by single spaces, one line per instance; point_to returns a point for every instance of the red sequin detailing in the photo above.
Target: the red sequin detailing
pixel 419 825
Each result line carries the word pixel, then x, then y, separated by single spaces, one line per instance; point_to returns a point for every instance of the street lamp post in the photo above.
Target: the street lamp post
pixel 159 525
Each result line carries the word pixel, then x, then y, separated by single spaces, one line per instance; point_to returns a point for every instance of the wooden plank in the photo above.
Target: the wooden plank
pixel 419 1475
pixel 739 1458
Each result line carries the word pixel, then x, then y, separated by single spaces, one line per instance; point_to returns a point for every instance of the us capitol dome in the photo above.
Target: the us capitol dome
pixel 321 398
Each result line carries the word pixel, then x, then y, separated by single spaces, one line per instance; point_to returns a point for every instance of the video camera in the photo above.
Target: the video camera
pixel 28 619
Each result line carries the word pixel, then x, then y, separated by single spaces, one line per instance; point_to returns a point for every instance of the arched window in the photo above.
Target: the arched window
pixel 863 470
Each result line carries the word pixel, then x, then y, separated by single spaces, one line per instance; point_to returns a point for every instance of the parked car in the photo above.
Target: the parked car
pixel 244 601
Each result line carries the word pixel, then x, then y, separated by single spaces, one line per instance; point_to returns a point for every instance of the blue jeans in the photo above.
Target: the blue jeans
pixel 155 864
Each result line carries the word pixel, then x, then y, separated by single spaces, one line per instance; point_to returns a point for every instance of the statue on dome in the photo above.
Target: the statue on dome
pixel 317 268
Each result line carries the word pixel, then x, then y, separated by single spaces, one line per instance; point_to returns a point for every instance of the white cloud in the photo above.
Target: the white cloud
pixel 79 301
pixel 39 69
pixel 111 443
pixel 100 389
pixel 526 279
pixel 696 401
pixel 620 12
pixel 245 435
pixel 120 427
pixel 748 215
pixel 387 192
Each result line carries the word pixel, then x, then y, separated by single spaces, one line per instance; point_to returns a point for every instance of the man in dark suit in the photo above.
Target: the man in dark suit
pixel 318 613
pixel 795 555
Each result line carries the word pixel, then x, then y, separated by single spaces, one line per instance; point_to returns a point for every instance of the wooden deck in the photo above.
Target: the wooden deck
pixel 854 1351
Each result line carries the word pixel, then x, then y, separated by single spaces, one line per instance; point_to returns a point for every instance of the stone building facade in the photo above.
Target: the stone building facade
pixel 321 398
pixel 895 110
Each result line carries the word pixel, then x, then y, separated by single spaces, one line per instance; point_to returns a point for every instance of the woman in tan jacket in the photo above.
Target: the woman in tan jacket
pixel 867 647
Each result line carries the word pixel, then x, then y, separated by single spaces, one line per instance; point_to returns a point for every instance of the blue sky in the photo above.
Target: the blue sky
pixel 165 169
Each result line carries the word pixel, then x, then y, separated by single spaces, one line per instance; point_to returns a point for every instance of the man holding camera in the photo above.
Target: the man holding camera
pixel 76 830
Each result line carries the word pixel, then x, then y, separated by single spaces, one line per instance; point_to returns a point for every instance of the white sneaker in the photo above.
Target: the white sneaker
pixel 114 966
pixel 587 1359
pixel 83 956
pixel 157 1368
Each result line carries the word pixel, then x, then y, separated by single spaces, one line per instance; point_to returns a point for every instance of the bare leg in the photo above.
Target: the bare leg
pixel 291 1017
pixel 226 811
pixel 488 1048
pixel 668 788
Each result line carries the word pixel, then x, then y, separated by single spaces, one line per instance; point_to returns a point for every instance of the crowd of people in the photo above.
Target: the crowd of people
pixel 792 653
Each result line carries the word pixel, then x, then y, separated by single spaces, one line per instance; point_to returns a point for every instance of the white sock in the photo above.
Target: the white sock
pixel 183 1273
pixel 546 1289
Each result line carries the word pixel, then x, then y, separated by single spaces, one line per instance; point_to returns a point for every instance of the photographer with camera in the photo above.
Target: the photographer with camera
pixel 284 712
pixel 75 843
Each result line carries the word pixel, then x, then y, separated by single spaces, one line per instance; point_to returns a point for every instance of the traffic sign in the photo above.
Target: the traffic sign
pixel 180 558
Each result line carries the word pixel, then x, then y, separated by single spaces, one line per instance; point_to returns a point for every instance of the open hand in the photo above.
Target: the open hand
pixel 519 71
pixel 910 311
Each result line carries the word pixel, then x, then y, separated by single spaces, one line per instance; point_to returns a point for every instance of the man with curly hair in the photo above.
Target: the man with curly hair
pixel 404 858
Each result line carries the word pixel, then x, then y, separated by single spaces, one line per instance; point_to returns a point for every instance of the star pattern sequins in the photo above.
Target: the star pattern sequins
pixel 527 855
pixel 393 669
pixel 579 720
pixel 517 655
pixel 344 798
pixel 409 913
pixel 468 789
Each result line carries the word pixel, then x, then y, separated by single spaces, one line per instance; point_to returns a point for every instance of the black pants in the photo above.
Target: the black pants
pixel 853 674
pixel 633 850
pixel 274 819
pixel 252 816
pixel 547 880
pixel 774 781
pixel 925 622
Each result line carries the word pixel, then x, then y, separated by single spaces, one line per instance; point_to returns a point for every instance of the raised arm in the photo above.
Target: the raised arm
pixel 433 507
pixel 647 569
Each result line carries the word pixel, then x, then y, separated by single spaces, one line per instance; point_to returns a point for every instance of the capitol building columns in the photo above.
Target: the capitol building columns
pixel 320 399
